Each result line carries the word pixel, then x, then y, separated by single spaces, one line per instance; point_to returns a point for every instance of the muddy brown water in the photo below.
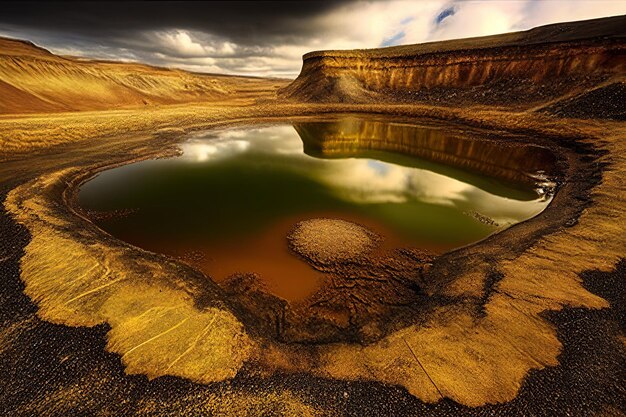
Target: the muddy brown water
pixel 228 202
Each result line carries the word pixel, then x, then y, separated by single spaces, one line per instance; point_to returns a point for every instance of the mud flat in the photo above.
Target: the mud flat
pixel 529 321
pixel 328 240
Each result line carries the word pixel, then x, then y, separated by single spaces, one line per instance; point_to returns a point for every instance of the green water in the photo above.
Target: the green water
pixel 234 184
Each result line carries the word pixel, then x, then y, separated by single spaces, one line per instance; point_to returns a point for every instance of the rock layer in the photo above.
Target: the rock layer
pixel 519 68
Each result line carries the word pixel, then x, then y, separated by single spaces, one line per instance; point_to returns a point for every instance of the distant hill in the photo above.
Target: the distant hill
pixel 533 69
pixel 34 80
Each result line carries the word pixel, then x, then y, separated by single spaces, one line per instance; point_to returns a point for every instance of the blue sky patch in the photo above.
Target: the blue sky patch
pixel 446 13
pixel 393 40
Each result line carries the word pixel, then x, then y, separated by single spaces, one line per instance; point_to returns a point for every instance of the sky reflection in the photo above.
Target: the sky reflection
pixel 362 180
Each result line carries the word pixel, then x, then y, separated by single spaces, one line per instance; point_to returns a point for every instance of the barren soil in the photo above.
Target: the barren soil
pixel 527 322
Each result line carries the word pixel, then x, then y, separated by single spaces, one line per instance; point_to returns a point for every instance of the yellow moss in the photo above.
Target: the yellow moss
pixel 158 330
pixel 484 361
pixel 155 325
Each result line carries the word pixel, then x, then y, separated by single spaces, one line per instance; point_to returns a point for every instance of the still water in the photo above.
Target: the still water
pixel 227 203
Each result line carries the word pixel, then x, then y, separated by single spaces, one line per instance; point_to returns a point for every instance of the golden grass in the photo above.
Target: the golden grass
pixel 165 319
pixel 34 80
pixel 79 278
pixel 156 327
pixel 21 135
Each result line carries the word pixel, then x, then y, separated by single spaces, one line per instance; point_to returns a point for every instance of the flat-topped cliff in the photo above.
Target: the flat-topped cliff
pixel 523 69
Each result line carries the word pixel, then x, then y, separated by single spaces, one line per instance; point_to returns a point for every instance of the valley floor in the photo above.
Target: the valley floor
pixel 537 328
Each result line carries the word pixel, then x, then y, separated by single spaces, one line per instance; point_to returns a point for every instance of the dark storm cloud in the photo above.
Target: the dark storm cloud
pixel 247 22
pixel 269 38
pixel 191 35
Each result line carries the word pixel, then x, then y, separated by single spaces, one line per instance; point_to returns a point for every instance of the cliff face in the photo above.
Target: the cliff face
pixel 523 68
pixel 35 80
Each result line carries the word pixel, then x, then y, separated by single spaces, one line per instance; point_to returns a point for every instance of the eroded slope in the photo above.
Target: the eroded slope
pixel 34 80
pixel 522 70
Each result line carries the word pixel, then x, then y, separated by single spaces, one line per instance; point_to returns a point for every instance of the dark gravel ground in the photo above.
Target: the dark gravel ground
pixel 54 370
pixel 607 102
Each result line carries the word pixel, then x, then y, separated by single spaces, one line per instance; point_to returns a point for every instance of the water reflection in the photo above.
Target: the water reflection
pixel 232 195
pixel 362 180
pixel 351 136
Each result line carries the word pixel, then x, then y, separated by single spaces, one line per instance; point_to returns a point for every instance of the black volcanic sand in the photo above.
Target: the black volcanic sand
pixel 602 103
pixel 66 371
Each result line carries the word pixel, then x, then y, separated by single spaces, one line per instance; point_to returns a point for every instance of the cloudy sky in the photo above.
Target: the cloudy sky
pixel 269 38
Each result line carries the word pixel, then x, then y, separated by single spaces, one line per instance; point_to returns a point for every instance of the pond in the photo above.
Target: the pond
pixel 227 203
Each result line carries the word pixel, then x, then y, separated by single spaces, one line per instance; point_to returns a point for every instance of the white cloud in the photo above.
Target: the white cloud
pixel 355 25
pixel 374 24
pixel 546 12
pixel 482 18
pixel 184 43
pixel 198 150
pixel 180 42
pixel 474 18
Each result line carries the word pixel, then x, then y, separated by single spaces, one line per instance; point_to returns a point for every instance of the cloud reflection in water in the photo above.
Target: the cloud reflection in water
pixel 361 180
